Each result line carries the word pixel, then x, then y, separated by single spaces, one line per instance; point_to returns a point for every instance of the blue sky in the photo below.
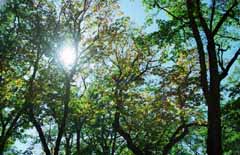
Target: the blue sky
pixel 138 14
pixel 135 10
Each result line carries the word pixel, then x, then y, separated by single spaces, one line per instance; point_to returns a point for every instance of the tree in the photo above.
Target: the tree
pixel 211 29
pixel 18 57
pixel 141 109
pixel 72 23
pixel 36 26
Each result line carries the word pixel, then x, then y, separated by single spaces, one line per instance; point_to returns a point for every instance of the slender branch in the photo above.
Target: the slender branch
pixel 212 13
pixel 220 56
pixel 179 134
pixel 168 12
pixel 224 17
pixel 228 37
pixel 220 61
pixel 14 122
pixel 203 22
pixel 229 65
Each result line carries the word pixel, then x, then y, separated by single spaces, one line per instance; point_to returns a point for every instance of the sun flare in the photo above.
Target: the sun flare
pixel 67 56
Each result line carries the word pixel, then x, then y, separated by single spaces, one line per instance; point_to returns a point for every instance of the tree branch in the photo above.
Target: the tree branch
pixel 156 4
pixel 212 13
pixel 229 65
pixel 125 135
pixel 224 17
pixel 196 34
pixel 203 21
pixel 229 37
pixel 177 135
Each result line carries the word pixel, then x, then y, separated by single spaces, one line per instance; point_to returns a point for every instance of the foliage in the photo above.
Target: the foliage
pixel 126 92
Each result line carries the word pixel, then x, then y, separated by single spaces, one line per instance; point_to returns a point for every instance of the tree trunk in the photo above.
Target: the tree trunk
pixel 210 89
pixel 78 124
pixel 65 115
pixel 67 146
pixel 126 136
pixel 214 144
pixel 40 132
pixel 114 143
pixel 214 127
pixel 6 133
pixel 2 146
pixel 78 139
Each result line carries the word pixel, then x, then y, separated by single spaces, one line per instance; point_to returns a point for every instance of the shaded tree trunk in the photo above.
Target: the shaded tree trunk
pixel 126 136
pixel 40 132
pixel 68 145
pixel 114 143
pixel 2 146
pixel 30 107
pixel 65 114
pixel 214 127
pixel 214 143
pixel 211 89
pixel 79 124
pixel 7 132
pixel 78 141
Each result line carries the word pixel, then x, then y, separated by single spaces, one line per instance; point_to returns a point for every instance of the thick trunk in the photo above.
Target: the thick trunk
pixel 210 89
pixel 118 128
pixel 214 146
pixel 30 108
pixel 214 126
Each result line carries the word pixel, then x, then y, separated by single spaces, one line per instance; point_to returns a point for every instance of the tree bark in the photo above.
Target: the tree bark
pixel 126 136
pixel 40 132
pixel 78 141
pixel 67 145
pixel 65 115
pixel 211 89
pixel 2 147
pixel 214 127
pixel 214 143
pixel 79 125
pixel 30 107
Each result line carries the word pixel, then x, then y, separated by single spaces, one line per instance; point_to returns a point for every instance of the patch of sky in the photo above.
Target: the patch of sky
pixel 140 16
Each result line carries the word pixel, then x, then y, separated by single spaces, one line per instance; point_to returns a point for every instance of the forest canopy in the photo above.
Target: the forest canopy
pixel 78 77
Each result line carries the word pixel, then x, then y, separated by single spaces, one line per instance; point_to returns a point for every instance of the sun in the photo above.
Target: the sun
pixel 67 56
